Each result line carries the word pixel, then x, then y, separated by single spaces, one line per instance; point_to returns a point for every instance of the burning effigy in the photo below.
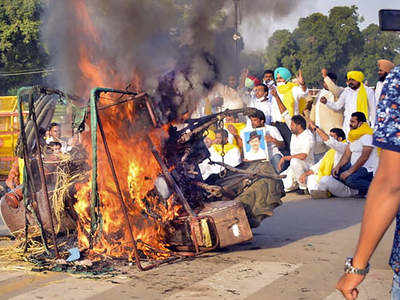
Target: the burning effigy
pixel 131 188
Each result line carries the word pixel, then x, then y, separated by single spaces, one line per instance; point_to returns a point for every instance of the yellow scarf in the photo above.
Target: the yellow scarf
pixel 239 127
pixel 327 164
pixel 288 100
pixel 362 99
pixel 227 147
pixel 210 134
pixel 355 134
pixel 325 169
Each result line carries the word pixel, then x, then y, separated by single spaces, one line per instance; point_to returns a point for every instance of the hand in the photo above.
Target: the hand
pixel 303 178
pixel 300 78
pixel 312 126
pixel 282 161
pixel 273 92
pixel 269 139
pixel 323 100
pixel 232 130
pixel 347 285
pixel 345 174
pixel 335 171
pixel 324 72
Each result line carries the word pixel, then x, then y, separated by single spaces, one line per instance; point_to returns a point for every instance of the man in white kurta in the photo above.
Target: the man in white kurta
pixel 348 101
pixel 360 160
pixel 265 102
pixel 335 140
pixel 232 156
pixel 301 156
pixel 384 68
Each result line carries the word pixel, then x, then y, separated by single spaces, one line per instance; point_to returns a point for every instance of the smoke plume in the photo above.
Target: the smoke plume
pixel 121 38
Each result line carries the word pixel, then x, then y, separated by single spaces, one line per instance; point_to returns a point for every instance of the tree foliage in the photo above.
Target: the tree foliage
pixel 20 47
pixel 334 42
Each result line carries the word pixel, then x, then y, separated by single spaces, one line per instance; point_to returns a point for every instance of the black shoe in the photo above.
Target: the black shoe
pixel 302 192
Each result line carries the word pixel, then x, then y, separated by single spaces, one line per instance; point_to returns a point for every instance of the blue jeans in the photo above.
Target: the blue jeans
pixel 275 162
pixel 359 180
pixel 396 287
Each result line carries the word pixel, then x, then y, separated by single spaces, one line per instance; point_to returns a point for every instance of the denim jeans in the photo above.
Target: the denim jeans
pixel 275 162
pixel 396 287
pixel 359 180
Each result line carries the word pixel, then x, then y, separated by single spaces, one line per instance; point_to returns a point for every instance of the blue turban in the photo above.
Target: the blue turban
pixel 285 73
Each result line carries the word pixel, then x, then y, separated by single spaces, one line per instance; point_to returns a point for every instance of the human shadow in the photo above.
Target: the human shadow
pixel 296 220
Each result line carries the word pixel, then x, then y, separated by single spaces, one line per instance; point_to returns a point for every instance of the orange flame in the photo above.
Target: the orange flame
pixel 136 167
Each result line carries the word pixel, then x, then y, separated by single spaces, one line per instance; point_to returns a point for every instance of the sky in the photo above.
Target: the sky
pixel 367 8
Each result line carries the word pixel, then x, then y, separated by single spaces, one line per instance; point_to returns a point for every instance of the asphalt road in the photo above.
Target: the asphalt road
pixel 297 254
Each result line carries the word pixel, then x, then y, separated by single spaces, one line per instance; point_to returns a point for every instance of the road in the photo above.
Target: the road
pixel 297 254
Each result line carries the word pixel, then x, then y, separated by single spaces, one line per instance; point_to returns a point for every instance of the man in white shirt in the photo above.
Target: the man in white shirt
pixel 273 138
pixel 384 68
pixel 356 97
pixel 266 103
pixel 220 151
pixel 301 156
pixel 55 136
pixel 319 180
pixel 324 117
pixel 360 160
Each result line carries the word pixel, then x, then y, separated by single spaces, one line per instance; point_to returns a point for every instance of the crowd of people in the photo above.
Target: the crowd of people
pixel 321 144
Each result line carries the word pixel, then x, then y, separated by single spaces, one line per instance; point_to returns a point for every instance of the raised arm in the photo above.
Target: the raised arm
pixel 381 207
pixel 338 105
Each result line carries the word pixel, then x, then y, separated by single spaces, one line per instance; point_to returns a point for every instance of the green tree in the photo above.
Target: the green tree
pixel 335 42
pixel 281 51
pixel 20 47
pixel 377 45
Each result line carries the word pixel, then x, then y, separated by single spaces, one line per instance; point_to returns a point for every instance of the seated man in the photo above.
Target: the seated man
pixel 360 160
pixel 251 183
pixel 319 181
pixel 301 156
pixel 220 151
pixel 272 137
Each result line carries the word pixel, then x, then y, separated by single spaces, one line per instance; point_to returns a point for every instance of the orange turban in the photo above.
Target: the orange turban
pixel 385 65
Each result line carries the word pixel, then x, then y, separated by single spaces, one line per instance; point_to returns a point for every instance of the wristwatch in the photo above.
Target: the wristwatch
pixel 349 269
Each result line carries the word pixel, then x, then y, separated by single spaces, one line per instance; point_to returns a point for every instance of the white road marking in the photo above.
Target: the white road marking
pixel 236 282
pixel 69 288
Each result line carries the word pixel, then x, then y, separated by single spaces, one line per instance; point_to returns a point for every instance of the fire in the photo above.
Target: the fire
pixel 136 167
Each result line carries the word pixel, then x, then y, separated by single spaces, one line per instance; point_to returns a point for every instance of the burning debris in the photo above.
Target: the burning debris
pixel 132 189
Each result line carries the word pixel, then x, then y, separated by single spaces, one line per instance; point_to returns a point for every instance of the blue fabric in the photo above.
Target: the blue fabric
pixel 387 136
pixel 275 162
pixel 395 288
pixel 359 180
pixel 285 73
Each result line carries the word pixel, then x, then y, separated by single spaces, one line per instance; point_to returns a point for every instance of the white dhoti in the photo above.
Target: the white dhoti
pixel 331 185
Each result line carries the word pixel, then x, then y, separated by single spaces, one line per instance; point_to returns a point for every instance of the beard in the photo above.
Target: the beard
pixel 383 77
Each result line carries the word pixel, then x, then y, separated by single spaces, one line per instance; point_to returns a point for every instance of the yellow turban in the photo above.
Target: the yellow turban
pixel 362 99
pixel 356 75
